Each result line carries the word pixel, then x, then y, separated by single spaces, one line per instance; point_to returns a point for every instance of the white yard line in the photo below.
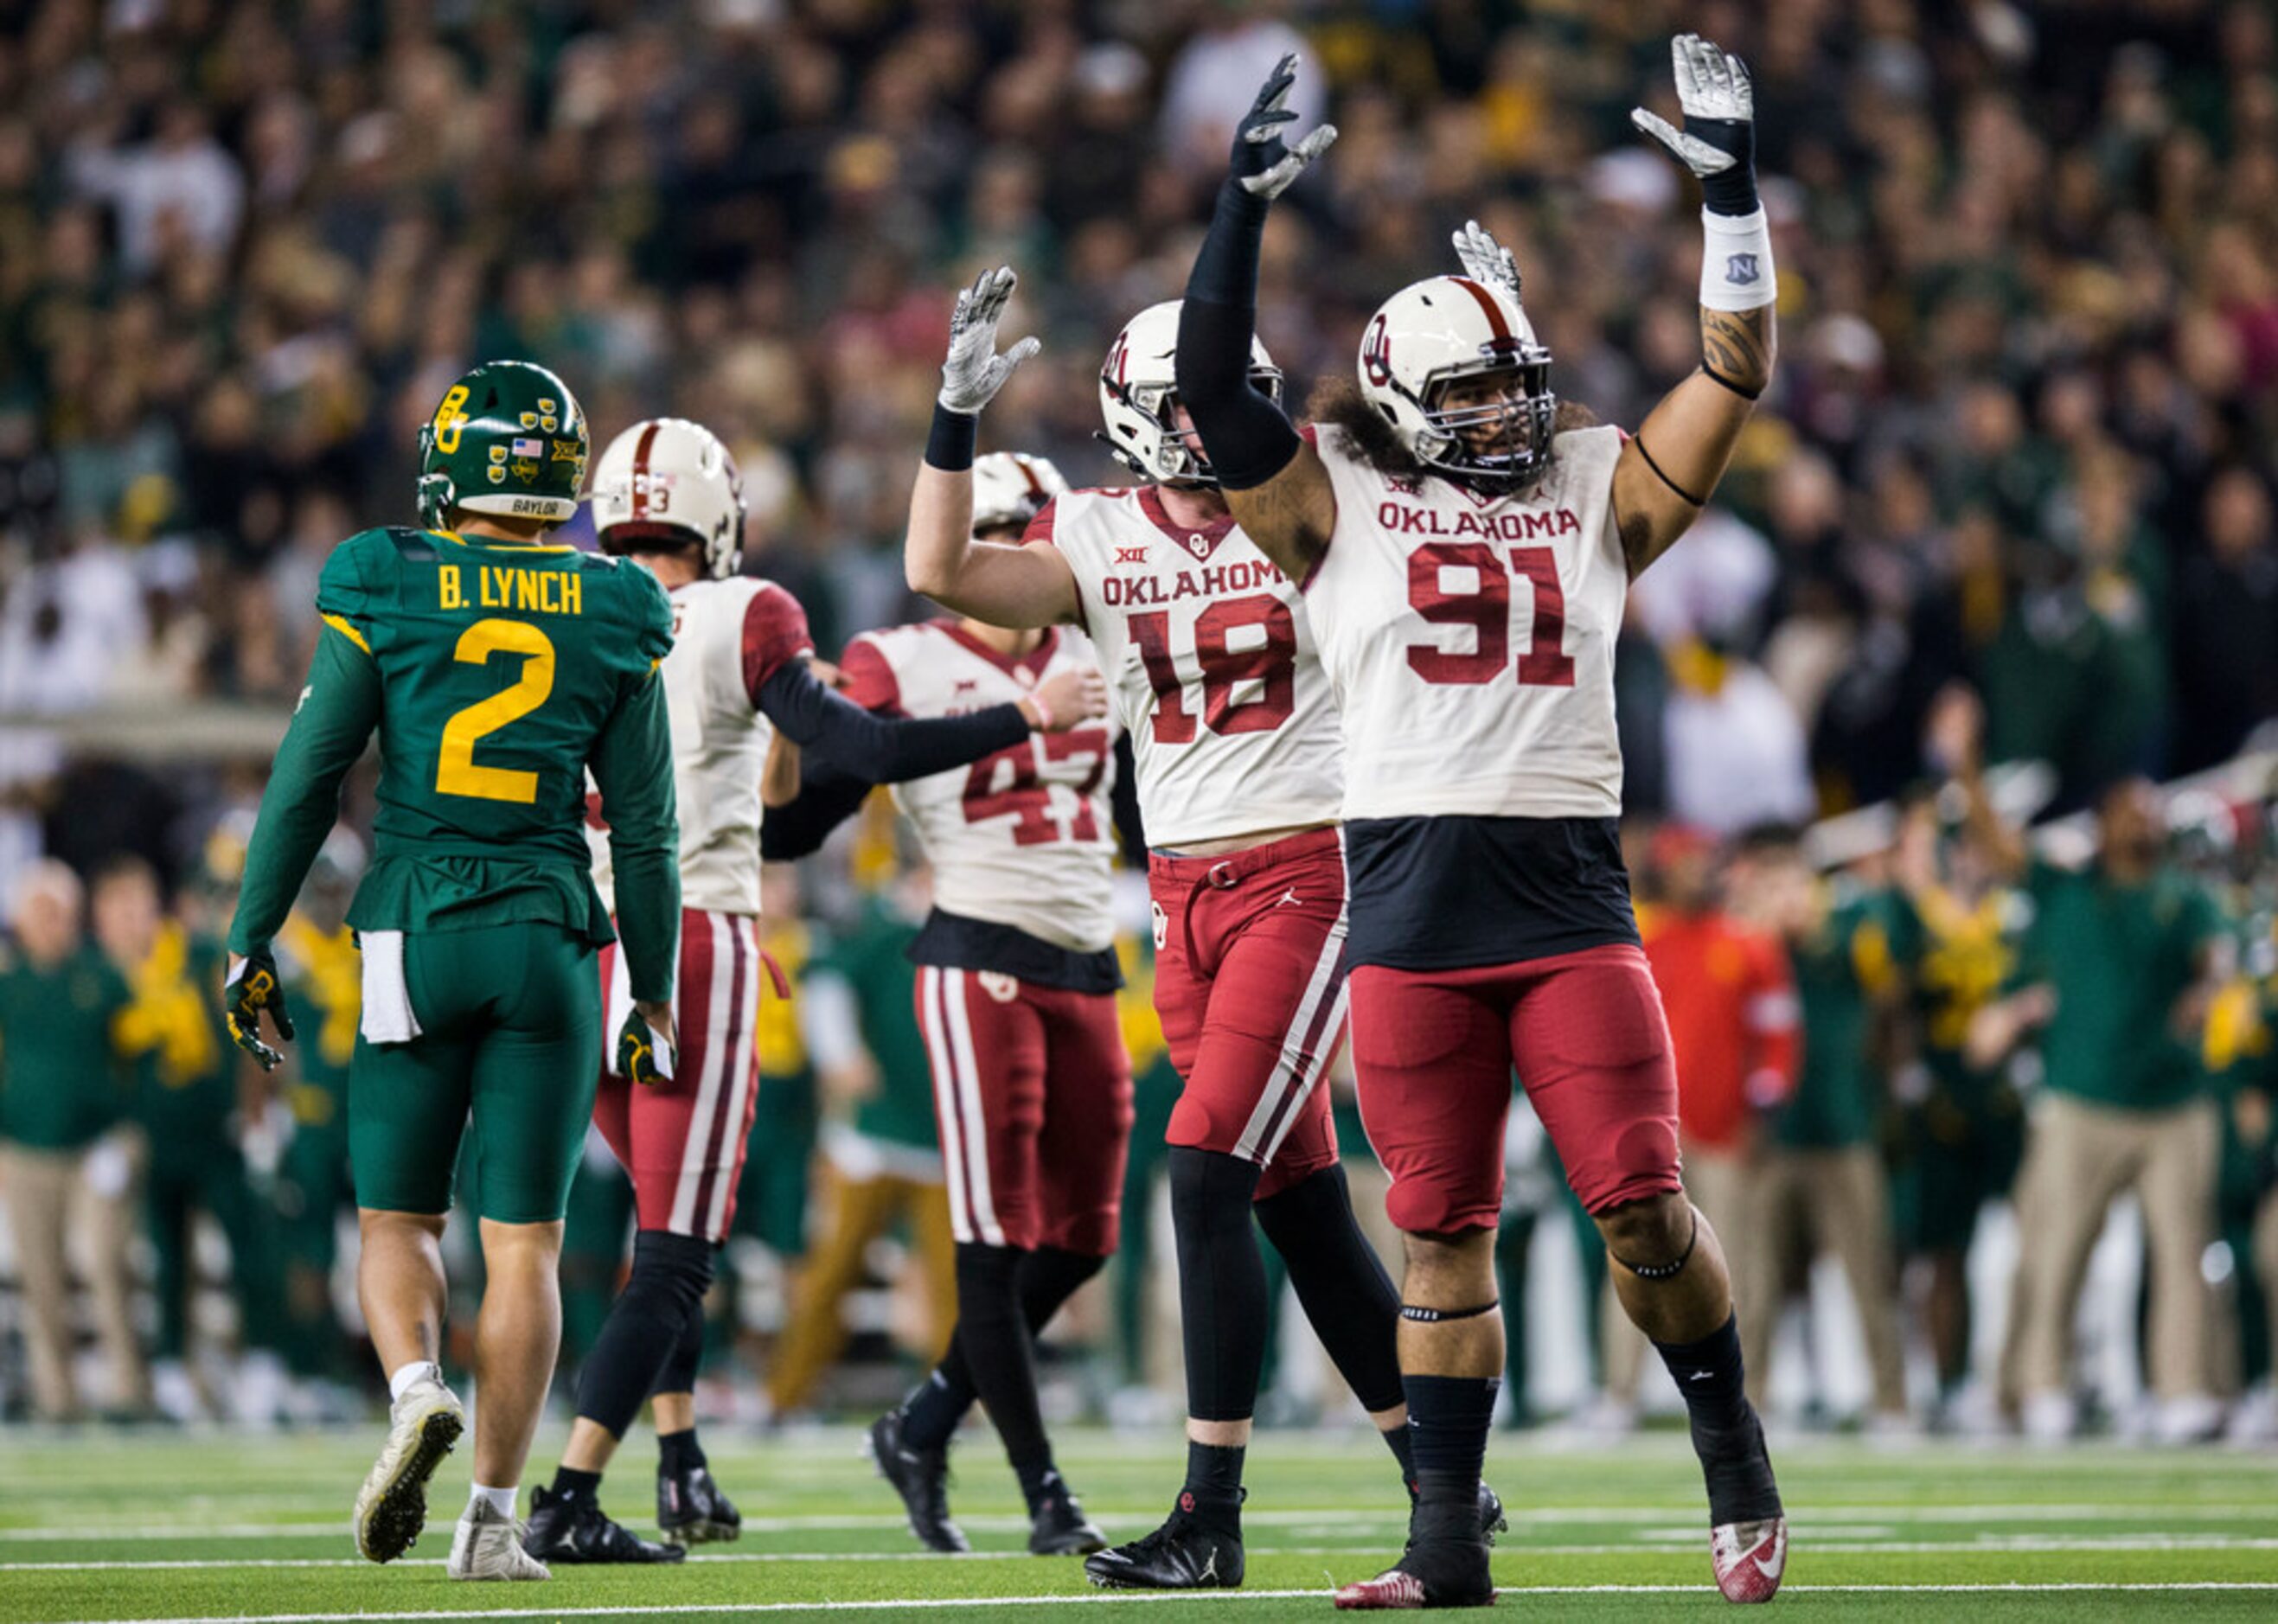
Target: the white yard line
pixel 1131 1597
pixel 1989 1545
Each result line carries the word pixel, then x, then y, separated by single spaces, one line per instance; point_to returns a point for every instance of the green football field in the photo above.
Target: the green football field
pixel 223 1526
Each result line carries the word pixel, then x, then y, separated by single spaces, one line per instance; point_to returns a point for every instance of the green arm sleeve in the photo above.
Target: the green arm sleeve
pixel 338 709
pixel 632 764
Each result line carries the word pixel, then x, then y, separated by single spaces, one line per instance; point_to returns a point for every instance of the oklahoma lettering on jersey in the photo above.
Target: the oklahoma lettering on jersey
pixel 1212 660
pixel 729 638
pixel 1470 639
pixel 1024 837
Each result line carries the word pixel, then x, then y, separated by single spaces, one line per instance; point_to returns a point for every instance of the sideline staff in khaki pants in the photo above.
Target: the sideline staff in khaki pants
pixel 67 1165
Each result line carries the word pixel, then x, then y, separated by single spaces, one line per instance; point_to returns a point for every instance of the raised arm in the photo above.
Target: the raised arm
pixel 1669 469
pixel 1275 482
pixel 1004 585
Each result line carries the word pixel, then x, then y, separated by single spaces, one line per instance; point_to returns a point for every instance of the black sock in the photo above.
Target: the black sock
pixel 679 1453
pixel 577 1485
pixel 1040 1481
pixel 1049 1276
pixel 1221 1282
pixel 644 1328
pixel 999 1353
pixel 1213 1491
pixel 1726 1434
pixel 680 1365
pixel 1402 1445
pixel 1448 1422
pixel 1340 1283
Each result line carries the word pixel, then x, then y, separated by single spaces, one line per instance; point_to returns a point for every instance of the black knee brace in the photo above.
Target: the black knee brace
pixel 1221 1282
pixel 670 1275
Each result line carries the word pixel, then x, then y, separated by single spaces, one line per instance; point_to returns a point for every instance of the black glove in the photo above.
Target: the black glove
pixel 253 986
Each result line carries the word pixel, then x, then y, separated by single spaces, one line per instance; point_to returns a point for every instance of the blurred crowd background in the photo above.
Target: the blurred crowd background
pixel 2009 501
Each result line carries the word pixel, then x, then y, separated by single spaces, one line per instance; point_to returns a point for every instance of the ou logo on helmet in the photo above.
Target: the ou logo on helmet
pixel 1376 351
pixel 1116 366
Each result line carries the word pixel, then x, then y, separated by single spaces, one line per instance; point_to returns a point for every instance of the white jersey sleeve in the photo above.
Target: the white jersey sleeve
pixel 729 638
pixel 1207 649
pixel 1470 639
pixel 1024 837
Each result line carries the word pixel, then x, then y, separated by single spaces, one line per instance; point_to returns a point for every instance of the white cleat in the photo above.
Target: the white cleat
pixel 392 1506
pixel 488 1545
pixel 1750 1558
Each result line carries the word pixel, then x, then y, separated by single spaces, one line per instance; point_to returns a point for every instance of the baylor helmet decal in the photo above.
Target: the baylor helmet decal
pixel 508 439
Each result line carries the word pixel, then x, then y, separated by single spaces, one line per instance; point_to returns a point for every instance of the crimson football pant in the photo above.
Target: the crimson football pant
pixel 682 1143
pixel 1250 982
pixel 1032 1096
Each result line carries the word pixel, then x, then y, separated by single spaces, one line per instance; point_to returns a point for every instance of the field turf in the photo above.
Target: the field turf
pixel 156 1525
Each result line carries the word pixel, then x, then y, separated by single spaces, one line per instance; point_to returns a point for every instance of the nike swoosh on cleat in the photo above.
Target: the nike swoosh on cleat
pixel 1771 1570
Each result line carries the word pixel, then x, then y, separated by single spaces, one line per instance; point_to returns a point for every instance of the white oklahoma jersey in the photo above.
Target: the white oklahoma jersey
pixel 1023 837
pixel 727 637
pixel 1213 665
pixel 1471 638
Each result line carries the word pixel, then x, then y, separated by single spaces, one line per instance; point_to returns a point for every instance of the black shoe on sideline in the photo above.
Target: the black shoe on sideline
pixel 920 1476
pixel 1430 1573
pixel 1059 1528
pixel 1186 1553
pixel 569 1528
pixel 691 1509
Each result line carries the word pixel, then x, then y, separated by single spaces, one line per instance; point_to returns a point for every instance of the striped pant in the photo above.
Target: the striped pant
pixel 1250 982
pixel 682 1141
pixel 1032 1094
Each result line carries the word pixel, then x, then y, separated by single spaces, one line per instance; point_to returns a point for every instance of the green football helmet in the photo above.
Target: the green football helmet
pixel 508 439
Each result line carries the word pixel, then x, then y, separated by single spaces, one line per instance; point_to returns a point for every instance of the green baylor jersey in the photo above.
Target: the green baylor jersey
pixel 503 671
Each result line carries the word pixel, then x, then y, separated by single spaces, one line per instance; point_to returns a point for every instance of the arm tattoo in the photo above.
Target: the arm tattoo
pixel 1275 516
pixel 1737 346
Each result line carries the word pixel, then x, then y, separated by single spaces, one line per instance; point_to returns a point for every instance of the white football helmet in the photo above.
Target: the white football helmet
pixel 1429 335
pixel 1138 386
pixel 667 479
pixel 1011 487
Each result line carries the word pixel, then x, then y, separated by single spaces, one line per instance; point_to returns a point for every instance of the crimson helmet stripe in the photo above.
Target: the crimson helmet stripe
pixel 640 467
pixel 1492 310
pixel 1029 473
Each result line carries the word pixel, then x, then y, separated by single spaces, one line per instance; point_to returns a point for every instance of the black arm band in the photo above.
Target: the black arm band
pixel 1417 1315
pixel 1684 493
pixel 948 446
pixel 827 797
pixel 1715 376
pixel 882 750
pixel 1247 438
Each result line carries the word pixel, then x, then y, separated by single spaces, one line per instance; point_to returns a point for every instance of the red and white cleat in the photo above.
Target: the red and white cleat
pixel 1750 1557
pixel 1390 1590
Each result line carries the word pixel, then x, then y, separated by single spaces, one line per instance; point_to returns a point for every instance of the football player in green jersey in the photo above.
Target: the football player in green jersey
pixel 497 670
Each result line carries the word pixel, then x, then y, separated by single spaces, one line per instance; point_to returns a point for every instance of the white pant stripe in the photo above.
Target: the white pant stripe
pixel 944 1099
pixel 744 1016
pixel 1299 1068
pixel 975 1132
pixel 697 1147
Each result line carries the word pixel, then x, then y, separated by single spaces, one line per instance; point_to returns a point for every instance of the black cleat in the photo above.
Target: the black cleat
pixel 1186 1553
pixel 920 1476
pixel 1431 1574
pixel 691 1509
pixel 1492 1521
pixel 571 1528
pixel 1058 1527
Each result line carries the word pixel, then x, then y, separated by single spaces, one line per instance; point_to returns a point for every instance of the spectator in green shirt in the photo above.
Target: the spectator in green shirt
pixel 68 1160
pixel 2117 971
pixel 1824 1189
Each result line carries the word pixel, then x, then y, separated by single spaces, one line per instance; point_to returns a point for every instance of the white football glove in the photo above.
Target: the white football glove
pixel 1263 162
pixel 1720 109
pixel 1485 260
pixel 974 371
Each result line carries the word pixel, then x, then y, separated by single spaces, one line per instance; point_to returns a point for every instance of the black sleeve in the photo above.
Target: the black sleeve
pixel 880 750
pixel 1248 438
pixel 827 797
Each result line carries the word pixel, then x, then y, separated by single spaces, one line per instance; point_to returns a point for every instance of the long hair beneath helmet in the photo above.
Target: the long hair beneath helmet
pixel 1337 403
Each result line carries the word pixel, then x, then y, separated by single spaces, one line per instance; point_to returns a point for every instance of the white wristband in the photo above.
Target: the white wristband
pixel 1736 262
